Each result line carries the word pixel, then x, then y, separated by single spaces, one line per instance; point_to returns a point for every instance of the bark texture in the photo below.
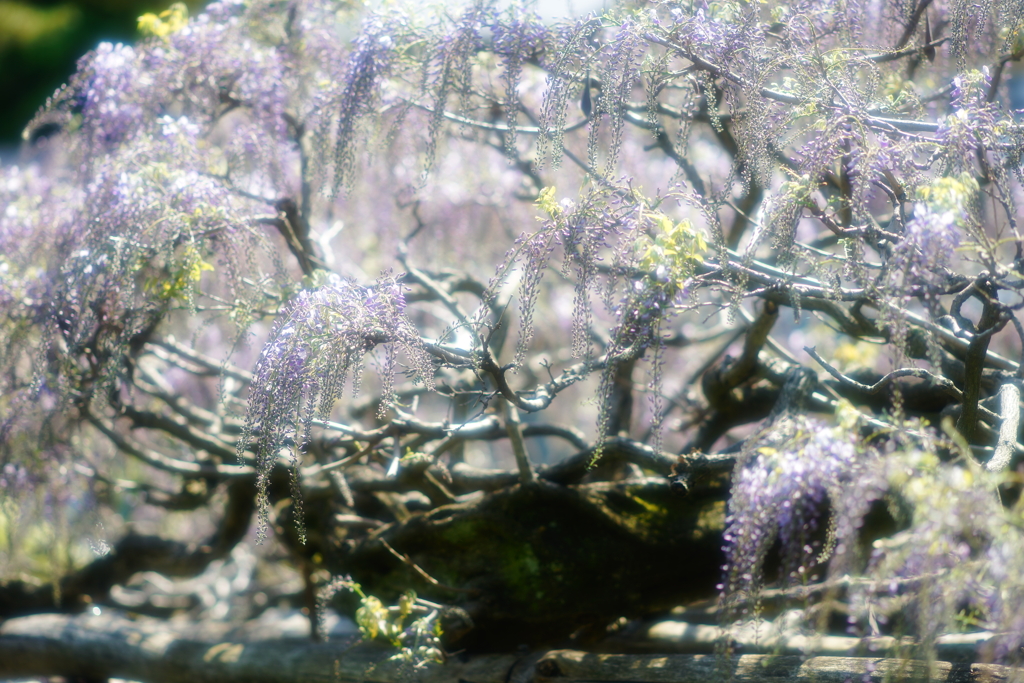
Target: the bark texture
pixel 532 563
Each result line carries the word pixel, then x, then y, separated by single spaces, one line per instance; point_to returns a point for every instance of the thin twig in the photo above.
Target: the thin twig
pixel 405 559
pixel 495 127
pixel 919 373
pixel 906 52
pixel 164 462
pixel 204 361
pixel 877 122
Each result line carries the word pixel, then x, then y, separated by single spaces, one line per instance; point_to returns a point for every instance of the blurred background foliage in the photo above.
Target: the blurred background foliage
pixel 41 42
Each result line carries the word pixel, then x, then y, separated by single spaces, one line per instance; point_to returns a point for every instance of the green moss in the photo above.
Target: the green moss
pixel 710 520
pixel 545 559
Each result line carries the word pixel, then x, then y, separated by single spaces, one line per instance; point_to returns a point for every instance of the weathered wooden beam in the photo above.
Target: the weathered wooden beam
pixel 671 636
pixel 565 666
pixel 155 651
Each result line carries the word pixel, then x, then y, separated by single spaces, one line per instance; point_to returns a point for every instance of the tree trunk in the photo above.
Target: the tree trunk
pixel 532 564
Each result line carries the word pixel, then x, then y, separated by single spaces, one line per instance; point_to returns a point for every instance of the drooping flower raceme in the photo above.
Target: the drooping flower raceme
pixel 781 492
pixel 936 229
pixel 317 345
pixel 958 559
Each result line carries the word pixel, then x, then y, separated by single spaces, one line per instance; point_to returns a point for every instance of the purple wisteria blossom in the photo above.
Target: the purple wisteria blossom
pixel 317 346
pixel 600 220
pixel 521 38
pixel 782 491
pixel 929 243
pixel 958 558
pixel 343 112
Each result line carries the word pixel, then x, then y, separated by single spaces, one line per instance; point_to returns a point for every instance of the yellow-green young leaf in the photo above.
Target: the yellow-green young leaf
pixel 808 109
pixel 892 85
pixel 952 193
pixel 181 278
pixel 847 415
pixel 372 617
pixel 677 248
pixel 195 266
pixel 725 12
pixel 546 202
pixel 405 603
pixel 167 22
pixel 859 354
pixel 799 189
